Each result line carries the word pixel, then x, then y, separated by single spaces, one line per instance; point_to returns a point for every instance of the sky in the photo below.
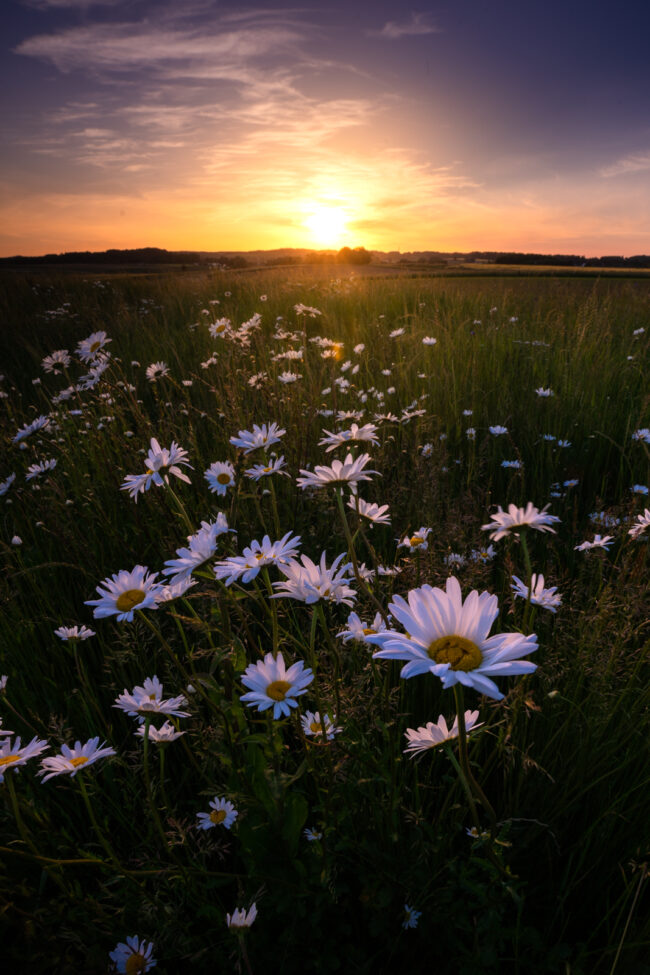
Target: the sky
pixel 207 125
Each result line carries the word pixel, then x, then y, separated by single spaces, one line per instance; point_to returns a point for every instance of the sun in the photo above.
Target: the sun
pixel 326 225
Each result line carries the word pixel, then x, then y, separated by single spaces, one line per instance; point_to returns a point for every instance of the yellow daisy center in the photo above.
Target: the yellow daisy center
pixel 8 759
pixel 277 690
pixel 223 478
pixel 316 728
pixel 267 470
pixel 217 816
pixel 135 963
pixel 457 651
pixel 80 760
pixel 415 540
pixel 128 599
pixel 96 345
pixel 367 630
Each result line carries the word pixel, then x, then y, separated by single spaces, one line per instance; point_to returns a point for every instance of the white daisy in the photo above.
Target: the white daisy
pixel 289 377
pixel 156 371
pixel 497 431
pixel 544 393
pixel 6 484
pixel 201 547
pixel 449 638
pixel 358 629
pixel 375 513
pixel 429 340
pixel 311 834
pixel 35 470
pixel 247 566
pixel 13 756
pixel 160 462
pixel 74 633
pixel 56 362
pixel 312 725
pixel 223 814
pixel 598 542
pixel 643 522
pixel 166 732
pixel 220 328
pixel 546 598
pixel 367 433
pixel 310 582
pixel 133 958
pixel 260 437
pixel 516 518
pixel 416 542
pixel 272 685
pixel 276 466
pixel 350 470
pixel 88 349
pixel 72 760
pixel 125 592
pixel 434 734
pixel 241 918
pixel 411 917
pixel 146 700
pixel 220 476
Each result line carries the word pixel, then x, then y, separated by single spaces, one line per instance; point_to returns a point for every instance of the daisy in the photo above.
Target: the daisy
pixel 72 760
pixel 434 734
pixel 156 371
pixel 134 957
pixel 310 582
pixel 514 464
pixel 160 462
pixel 312 724
pixel 598 542
pixel 57 361
pixel 88 349
pixel 373 512
pixel 311 835
pixel 449 638
pixel 516 518
pixel 454 560
pixel 223 814
pixel 201 547
pixel 146 700
pixel 241 918
pixel 35 470
pixel 220 328
pixel 396 333
pixel 358 629
pixel 289 377
pixel 416 542
pixel 260 437
pixel 643 523
pixel 276 466
pixel 12 755
pixel 175 589
pixel 498 431
pixel 247 566
pixel 272 685
pixel 368 433
pixel 125 592
pixel 411 917
pixel 166 732
pixel 74 633
pixel 546 598
pixel 544 392
pixel 483 555
pixel 642 434
pixel 429 340
pixel 220 476
pixel 6 484
pixel 38 424
pixel 639 489
pixel 347 471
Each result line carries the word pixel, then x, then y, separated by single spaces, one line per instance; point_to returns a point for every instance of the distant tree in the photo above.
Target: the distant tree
pixel 358 255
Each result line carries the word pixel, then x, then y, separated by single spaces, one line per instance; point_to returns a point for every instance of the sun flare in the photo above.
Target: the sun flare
pixel 326 225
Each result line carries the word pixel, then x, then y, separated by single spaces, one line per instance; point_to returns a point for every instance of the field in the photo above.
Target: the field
pixel 254 571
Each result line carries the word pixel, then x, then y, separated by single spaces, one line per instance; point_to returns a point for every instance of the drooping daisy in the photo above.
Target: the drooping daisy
pixel 13 756
pixel 375 513
pixel 156 371
pixel 544 393
pixel 220 476
pixel 311 834
pixel 133 957
pixel 350 471
pixel 35 470
pixel 38 424
pixel 74 633
pixel 643 522
pixel 247 566
pixel 417 542
pixel 546 598
pixel 125 592
pixel 272 685
pixel 312 725
pixel 275 466
pixel 437 733
pixel 241 918
pixel 56 362
pixel 201 547
pixel 429 340
pixel 88 349
pixel 358 629
pixel 72 760
pixel 367 433
pixel 516 518
pixel 598 542
pixel 166 732
pixel 310 582
pixel 6 484
pixel 411 917
pixel 146 700
pixel 223 814
pixel 262 436
pixel 498 431
pixel 449 638
pixel 160 462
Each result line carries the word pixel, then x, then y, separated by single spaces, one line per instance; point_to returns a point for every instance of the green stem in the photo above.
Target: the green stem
pixel 353 558
pixel 464 756
pixel 181 509
pixel 108 849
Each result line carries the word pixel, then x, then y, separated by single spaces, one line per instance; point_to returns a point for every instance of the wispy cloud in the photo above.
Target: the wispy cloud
pixel 72 4
pixel 634 163
pixel 418 25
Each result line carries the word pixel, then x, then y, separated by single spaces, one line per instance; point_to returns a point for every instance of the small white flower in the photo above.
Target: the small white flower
pixel 259 437
pixel 223 814
pixel 313 725
pixel 156 371
pixel 72 760
pixel 411 917
pixel 437 733
pixel 598 542
pixel 375 513
pixel 241 918
pixel 273 685
pixel 539 596
pixel 125 592
pixel 643 522
pixel 429 340
pixel 133 958
pixel 311 835
pixel 166 732
pixel 516 518
pixel 220 476
pixel 498 431
pixel 74 633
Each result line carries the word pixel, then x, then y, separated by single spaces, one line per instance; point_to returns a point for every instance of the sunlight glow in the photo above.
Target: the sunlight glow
pixel 326 225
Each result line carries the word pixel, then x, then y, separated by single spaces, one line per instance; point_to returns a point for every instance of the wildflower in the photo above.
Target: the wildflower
pixel 74 633
pixel 474 833
pixel 260 437
pixel 175 589
pixel 516 518
pixel 545 393
pixel 35 470
pixel 454 560
pixel 483 555
pixel 134 957
pixel 16 540
pixel 514 464
pixel 497 431
pixel 125 592
pixel 146 700
pixel 241 918
pixel 289 377
pixel 347 471
pixel 434 734
pixel 166 732
pixel 310 582
pixel 311 835
pixel 72 760
pixel 598 542
pixel 357 629
pixel 416 542
pixel 365 433
pixel 470 433
pixel 643 522
pixel 247 566
pixel 359 347
pixel 564 443
pixel 427 450
pixel 571 483
pixel 449 638
pixel 12 755
pixel 546 598
pixel 88 349
pixel 56 362
pixel 373 512
pixel 411 917
pixel 258 471
pixel 313 724
pixel 220 328
pixel 201 547
pixel 396 333
pixel 6 484
pixel 429 340
pixel 220 476
pixel 223 814
pixel 272 685
pixel 160 462
pixel 643 433
pixel 639 489
pixel 156 371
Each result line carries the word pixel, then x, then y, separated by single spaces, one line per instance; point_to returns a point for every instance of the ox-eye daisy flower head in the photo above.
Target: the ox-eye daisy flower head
pixel 376 514
pixel 38 424
pixel 434 734
pixel 146 700
pixel 72 760
pixel 220 476
pixel 349 471
pixel 514 519
pixel 368 433
pixel 275 466
pixel 133 957
pixel 56 362
pixel 223 814
pixel 417 542
pixel 643 522
pixel 358 629
pixel 125 592
pixel 74 633
pixel 310 582
pixel 273 685
pixel 546 598
pixel 450 639
pixel 160 462
pixel 241 918
pixel 259 554
pixel 88 349
pixel 262 436
pixel 167 732
pixel 202 546
pixel 313 724
pixel 13 756
pixel 156 371
pixel 411 917
pixel 598 542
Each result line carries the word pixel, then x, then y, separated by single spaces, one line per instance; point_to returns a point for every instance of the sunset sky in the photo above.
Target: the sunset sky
pixel 208 125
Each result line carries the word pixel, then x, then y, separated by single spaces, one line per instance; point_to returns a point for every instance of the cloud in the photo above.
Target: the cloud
pixel 72 4
pixel 418 25
pixel 634 163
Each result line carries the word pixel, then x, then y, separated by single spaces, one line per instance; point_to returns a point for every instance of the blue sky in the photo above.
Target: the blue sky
pixel 208 125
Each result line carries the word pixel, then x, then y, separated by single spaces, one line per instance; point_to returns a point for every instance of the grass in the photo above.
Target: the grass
pixel 561 884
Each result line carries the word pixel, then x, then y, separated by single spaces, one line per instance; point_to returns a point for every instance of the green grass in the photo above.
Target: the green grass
pixel 563 758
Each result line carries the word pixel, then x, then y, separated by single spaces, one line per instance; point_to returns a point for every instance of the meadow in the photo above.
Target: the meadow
pixel 236 508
